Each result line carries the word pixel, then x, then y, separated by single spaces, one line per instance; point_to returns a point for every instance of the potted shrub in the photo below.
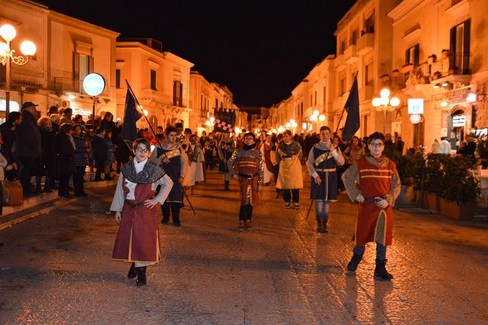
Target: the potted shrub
pixel 432 176
pixel 411 170
pixel 482 151
pixel 459 188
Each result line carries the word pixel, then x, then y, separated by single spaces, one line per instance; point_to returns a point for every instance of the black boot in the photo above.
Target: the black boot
pixel 226 188
pixel 324 226
pixel 353 264
pixel 380 272
pixel 132 272
pixel 141 276
pixel 320 227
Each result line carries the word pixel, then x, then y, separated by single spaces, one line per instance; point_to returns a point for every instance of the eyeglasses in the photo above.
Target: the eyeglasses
pixel 142 150
pixel 376 145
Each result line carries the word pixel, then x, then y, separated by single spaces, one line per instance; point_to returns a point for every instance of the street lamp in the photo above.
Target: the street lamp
pixel 7 56
pixel 384 103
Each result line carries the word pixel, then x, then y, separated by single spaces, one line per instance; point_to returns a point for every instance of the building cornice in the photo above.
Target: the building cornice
pixel 403 8
pixel 82 25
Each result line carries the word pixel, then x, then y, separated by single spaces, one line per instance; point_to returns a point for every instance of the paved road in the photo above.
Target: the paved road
pixel 57 268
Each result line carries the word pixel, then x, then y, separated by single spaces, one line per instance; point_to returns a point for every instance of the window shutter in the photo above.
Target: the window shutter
pixel 452 49
pixel 416 55
pixel 467 33
pixel 76 66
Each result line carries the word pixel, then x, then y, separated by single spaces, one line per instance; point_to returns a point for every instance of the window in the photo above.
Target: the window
pixel 368 75
pixel 153 80
pixel 177 93
pixel 459 43
pixel 82 65
pixel 354 37
pixel 369 24
pixel 117 78
pixel 412 55
pixel 342 83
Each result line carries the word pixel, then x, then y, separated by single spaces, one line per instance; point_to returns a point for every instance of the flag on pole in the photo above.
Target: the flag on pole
pixel 352 108
pixel 132 114
pixel 224 121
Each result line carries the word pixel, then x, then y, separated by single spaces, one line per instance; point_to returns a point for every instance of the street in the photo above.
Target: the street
pixel 57 268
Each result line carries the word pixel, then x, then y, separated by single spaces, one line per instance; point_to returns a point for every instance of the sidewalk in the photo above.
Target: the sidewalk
pixel 45 202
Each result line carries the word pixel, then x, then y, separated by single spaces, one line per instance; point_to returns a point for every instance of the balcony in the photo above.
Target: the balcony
pixel 350 54
pixel 63 85
pixel 365 43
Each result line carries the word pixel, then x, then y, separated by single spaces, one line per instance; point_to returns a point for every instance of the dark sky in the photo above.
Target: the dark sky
pixel 260 50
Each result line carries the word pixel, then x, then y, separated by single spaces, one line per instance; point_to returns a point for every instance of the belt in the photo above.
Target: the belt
pixel 246 175
pixel 319 170
pixel 375 199
pixel 134 204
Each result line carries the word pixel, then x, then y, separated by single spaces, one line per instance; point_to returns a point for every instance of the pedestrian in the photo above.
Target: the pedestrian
pixel 46 166
pixel 64 145
pixel 290 179
pixel 246 166
pixel 445 146
pixel 323 160
pixel 99 152
pixel 374 183
pixel 27 146
pixel 173 159
pixel 80 160
pixel 135 197
pixel 225 149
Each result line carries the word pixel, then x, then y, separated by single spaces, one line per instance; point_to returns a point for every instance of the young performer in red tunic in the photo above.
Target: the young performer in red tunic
pixel 134 200
pixel 375 184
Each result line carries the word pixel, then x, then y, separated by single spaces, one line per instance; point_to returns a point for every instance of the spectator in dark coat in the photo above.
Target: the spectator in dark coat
pixel 47 164
pixel 80 159
pixel 7 130
pixel 100 152
pixel 27 146
pixel 65 150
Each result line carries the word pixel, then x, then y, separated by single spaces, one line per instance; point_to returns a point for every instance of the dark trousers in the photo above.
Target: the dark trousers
pixel 245 212
pixel 26 173
pixel 100 167
pixel 78 180
pixel 294 194
pixel 173 209
pixel 64 177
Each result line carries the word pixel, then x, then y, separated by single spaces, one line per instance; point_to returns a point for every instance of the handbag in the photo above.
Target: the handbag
pixel 12 193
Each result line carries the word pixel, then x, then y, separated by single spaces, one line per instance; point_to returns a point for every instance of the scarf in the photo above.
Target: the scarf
pixel 149 174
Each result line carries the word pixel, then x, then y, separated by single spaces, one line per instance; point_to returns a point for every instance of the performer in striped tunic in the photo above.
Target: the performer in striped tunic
pixel 322 164
pixel 375 184
pixel 246 166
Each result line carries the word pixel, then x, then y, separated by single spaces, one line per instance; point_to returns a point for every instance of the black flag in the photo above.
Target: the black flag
pixel 132 114
pixel 224 121
pixel 352 108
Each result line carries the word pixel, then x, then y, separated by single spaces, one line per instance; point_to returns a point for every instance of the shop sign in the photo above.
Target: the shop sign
pixel 458 121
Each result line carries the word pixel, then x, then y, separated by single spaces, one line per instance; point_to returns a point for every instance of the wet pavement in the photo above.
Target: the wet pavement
pixel 56 268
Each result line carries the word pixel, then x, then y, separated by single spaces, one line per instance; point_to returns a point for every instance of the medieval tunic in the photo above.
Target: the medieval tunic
pixel 322 162
pixel 194 172
pixel 176 168
pixel 265 150
pixel 373 177
pixel 248 165
pixel 225 150
pixel 138 236
pixel 289 156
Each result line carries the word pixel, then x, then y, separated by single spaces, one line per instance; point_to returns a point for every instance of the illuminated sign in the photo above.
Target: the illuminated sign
pixel 415 106
pixel 458 121
pixel 415 118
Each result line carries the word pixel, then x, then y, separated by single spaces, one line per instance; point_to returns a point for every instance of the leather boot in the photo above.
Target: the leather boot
pixel 226 186
pixel 380 272
pixel 141 276
pixel 353 264
pixel 320 227
pixel 132 271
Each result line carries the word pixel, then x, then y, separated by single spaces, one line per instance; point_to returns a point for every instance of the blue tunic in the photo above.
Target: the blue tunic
pixel 327 190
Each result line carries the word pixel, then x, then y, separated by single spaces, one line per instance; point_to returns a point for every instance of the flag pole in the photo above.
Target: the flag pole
pixel 154 134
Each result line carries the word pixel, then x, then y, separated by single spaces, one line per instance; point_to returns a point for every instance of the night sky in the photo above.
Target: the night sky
pixel 259 50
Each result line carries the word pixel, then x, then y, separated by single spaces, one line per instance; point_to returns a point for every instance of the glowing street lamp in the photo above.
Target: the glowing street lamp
pixel 384 103
pixel 7 57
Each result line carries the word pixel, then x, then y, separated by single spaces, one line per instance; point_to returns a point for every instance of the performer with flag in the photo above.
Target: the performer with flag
pixel 374 183
pixel 134 200
pixel 171 156
pixel 322 163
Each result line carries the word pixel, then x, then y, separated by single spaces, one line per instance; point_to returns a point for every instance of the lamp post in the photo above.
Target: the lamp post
pixel 7 56
pixel 384 103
